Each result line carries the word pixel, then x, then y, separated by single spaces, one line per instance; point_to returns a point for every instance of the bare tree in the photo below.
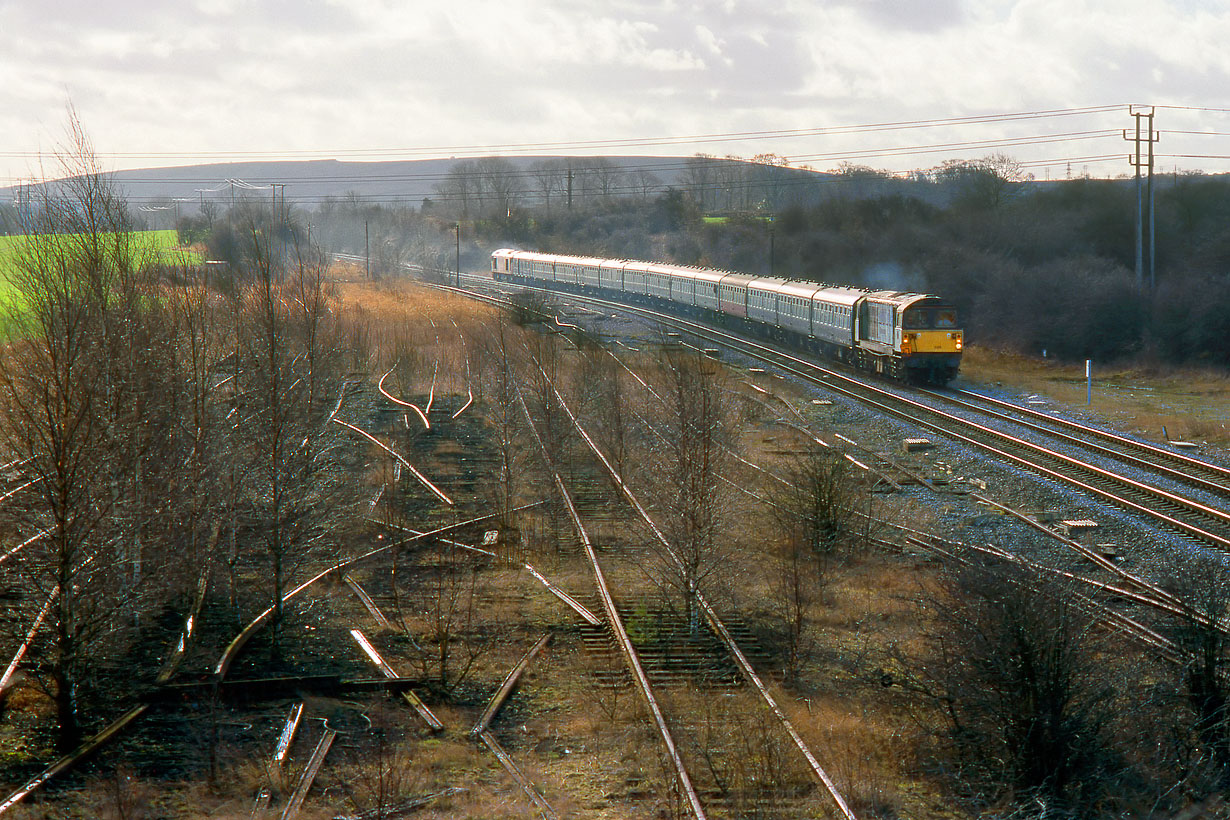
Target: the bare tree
pixel 294 480
pixel 77 385
pixel 504 415
pixel 1014 672
pixel 462 187
pixel 812 514
pixel 695 449
pixel 645 182
pixel 499 179
pixel 698 179
pixel 602 177
pixel 551 178
pixel 1203 635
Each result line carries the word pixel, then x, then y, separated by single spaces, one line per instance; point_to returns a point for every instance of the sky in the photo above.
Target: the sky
pixel 162 82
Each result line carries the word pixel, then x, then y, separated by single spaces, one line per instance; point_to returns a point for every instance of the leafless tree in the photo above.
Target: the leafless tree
pixel 698 179
pixel 1025 698
pixel 462 188
pixel 500 182
pixel 812 514
pixel 694 450
pixel 645 182
pixel 601 177
pixel 79 385
pixel 1202 584
pixel 295 486
pixel 504 414
pixel 551 178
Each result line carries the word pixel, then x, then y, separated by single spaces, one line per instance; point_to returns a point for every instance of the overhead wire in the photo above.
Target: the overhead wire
pixel 629 142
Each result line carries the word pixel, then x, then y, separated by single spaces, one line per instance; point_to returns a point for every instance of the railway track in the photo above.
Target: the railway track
pixel 714 621
pixel 1181 467
pixel 1172 511
pixel 616 625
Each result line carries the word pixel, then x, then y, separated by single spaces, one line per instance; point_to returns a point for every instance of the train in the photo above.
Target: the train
pixel 911 337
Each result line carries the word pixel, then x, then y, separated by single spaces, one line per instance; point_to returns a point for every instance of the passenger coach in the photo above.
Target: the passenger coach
pixel 908 336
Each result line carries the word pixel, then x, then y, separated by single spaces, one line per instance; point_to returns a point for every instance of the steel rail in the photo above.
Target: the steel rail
pixel 422 478
pixel 524 782
pixel 1164 600
pixel 617 626
pixel 366 600
pixel 1122 441
pixel 68 761
pixel 828 378
pixel 415 702
pixel 7 677
pixel 1105 435
pixel 264 795
pixel 573 603
pixel 715 622
pixel 308 777
pixel 240 640
pixel 465 355
pixel 400 402
pixel 510 681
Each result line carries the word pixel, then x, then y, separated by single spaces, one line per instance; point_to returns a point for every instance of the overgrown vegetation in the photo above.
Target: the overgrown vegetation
pixel 1045 268
pixel 177 424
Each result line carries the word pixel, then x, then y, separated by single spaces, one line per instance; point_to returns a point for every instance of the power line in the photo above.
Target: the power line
pixel 635 142
pixel 682 164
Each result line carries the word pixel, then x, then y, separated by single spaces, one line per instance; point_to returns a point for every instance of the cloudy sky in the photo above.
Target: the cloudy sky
pixel 172 83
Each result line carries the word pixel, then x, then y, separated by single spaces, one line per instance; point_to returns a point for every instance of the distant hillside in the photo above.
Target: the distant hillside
pixel 309 182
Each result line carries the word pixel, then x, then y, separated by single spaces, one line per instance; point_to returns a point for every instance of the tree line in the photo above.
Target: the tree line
pixel 162 424
pixel 1044 268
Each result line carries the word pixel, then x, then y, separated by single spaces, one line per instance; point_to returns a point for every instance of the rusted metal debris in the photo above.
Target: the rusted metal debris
pixel 501 695
pixel 309 775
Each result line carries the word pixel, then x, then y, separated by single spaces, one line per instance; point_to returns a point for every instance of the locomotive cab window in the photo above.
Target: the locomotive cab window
pixel 925 318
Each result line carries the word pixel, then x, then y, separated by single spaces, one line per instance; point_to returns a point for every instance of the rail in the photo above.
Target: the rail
pixel 617 628
pixel 715 622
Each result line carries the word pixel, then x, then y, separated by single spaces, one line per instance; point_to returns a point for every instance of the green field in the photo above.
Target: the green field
pixel 164 244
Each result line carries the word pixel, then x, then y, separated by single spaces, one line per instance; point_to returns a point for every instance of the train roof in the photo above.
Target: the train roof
pixel 833 294
pixel 901 299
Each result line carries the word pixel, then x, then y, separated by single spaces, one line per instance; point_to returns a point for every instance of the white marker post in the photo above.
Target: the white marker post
pixel 1088 382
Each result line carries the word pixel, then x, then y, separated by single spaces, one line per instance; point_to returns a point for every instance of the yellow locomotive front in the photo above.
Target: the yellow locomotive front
pixel 909 336
pixel 931 340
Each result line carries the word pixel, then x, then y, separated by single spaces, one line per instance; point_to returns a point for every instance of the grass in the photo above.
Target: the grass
pixel 160 247
pixel 1191 404
pixel 163 244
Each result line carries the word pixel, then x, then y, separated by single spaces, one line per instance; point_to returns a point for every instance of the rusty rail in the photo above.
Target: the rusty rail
pixel 711 616
pixel 422 478
pixel 573 603
pixel 617 627
pixel 366 600
pixel 501 695
pixel 240 640
pixel 528 787
pixel 309 775
pixel 389 672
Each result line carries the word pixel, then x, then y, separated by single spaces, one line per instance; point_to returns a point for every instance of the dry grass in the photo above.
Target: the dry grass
pixel 1190 404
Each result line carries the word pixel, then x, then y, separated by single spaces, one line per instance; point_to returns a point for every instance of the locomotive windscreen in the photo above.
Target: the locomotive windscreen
pixel 924 318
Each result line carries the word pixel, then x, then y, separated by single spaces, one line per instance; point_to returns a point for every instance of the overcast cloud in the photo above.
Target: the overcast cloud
pixel 173 83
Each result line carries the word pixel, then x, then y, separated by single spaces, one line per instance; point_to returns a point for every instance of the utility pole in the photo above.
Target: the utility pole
pixel 1137 160
pixel 772 265
pixel 367 250
pixel 1152 230
pixel 570 185
pixel 457 235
